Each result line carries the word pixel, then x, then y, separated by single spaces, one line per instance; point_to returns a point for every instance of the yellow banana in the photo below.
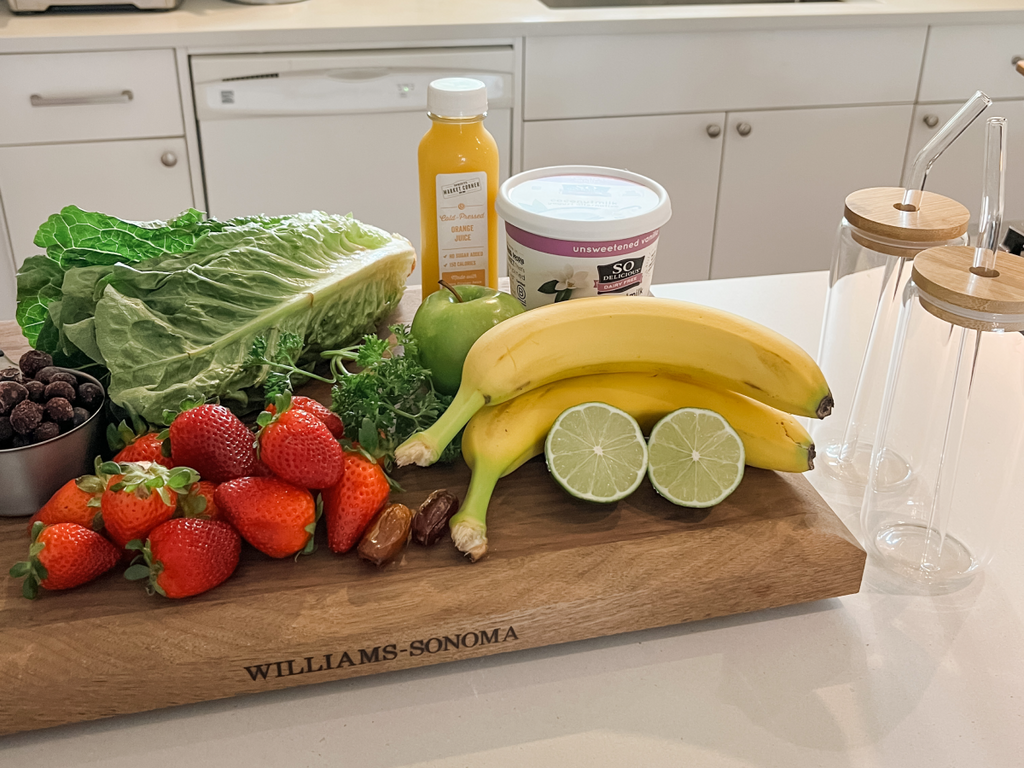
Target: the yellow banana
pixel 501 438
pixel 626 333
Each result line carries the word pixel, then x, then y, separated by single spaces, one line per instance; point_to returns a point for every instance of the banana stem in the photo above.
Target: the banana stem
pixel 424 448
pixel 469 524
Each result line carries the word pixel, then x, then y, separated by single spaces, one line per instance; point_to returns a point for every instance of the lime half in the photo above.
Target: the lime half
pixel 696 458
pixel 596 452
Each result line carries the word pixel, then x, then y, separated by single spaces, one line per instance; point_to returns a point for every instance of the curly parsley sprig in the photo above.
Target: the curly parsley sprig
pixel 390 395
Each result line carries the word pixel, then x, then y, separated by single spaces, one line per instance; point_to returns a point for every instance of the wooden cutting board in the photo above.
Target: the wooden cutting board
pixel 558 570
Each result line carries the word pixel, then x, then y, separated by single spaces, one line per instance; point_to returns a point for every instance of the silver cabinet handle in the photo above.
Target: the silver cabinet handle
pixel 714 130
pixel 122 97
pixel 743 129
pixel 931 120
pixel 169 159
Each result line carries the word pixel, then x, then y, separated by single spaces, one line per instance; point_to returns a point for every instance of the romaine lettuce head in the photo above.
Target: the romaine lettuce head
pixel 180 325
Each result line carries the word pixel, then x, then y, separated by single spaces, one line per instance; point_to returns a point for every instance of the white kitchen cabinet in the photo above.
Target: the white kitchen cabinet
pixel 785 175
pixel 681 152
pixel 55 97
pixel 8 291
pixel 138 180
pixel 102 130
pixel 829 111
pixel 957 174
pixel 960 60
pixel 646 74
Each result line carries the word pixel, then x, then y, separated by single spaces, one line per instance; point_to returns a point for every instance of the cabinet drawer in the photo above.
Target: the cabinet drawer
pixel 136 180
pixel 86 96
pixel 962 60
pixel 614 75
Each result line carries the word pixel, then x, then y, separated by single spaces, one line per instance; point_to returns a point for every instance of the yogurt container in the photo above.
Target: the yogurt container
pixel 580 230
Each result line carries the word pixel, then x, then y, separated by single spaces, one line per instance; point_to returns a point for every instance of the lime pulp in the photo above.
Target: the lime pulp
pixel 596 452
pixel 696 458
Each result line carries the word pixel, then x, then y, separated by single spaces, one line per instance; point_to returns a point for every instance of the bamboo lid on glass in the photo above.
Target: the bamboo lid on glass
pixel 876 211
pixel 969 299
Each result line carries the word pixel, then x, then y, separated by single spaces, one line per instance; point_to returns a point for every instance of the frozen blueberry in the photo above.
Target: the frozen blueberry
pixel 6 431
pixel 90 395
pixel 11 393
pixel 59 409
pixel 20 441
pixel 45 374
pixel 11 374
pixel 34 361
pixel 70 378
pixel 45 431
pixel 26 416
pixel 35 390
pixel 80 416
pixel 60 389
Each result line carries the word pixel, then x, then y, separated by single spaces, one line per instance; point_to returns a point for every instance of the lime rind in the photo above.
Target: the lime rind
pixel 596 452
pixel 696 458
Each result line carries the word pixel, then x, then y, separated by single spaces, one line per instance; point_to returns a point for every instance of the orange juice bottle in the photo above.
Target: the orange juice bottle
pixel 458 162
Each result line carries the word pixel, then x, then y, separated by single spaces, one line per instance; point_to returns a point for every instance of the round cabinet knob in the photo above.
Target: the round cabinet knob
pixel 714 131
pixel 743 129
pixel 169 159
pixel 931 120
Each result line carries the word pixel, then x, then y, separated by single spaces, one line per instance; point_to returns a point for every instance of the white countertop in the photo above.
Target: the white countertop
pixel 212 24
pixel 877 679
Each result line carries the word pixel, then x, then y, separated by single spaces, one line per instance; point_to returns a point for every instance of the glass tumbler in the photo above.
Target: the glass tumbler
pixel 871 265
pixel 946 466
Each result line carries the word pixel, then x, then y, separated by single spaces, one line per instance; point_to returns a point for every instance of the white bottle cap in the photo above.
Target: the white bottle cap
pixel 457 97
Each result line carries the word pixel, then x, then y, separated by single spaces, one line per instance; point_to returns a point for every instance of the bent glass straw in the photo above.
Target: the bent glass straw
pixel 940 142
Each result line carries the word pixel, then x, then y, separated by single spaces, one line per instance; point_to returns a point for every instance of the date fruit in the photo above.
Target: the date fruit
pixel 431 521
pixel 387 533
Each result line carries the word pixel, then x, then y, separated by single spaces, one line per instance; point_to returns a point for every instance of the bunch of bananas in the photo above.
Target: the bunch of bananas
pixel 646 356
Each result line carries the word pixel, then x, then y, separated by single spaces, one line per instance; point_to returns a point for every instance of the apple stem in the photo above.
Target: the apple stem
pixel 456 293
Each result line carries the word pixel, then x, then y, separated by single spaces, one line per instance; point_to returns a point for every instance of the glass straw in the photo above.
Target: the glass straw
pixel 993 187
pixel 947 134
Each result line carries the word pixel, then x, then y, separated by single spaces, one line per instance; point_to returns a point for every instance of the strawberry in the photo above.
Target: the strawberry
pixel 147 447
pixel 63 556
pixel 351 504
pixel 260 470
pixel 132 446
pixel 199 502
pixel 77 501
pixel 330 419
pixel 141 496
pixel 298 447
pixel 276 517
pixel 212 440
pixel 184 557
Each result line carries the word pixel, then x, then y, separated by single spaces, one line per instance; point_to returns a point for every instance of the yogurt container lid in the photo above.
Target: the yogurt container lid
pixel 583 202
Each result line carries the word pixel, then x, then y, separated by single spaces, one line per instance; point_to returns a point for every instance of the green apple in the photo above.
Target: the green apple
pixel 446 325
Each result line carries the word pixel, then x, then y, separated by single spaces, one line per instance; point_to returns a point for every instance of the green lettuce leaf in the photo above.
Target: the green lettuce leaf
pixel 76 238
pixel 182 325
pixel 39 284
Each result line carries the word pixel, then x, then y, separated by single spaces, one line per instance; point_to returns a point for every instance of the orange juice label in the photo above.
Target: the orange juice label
pixel 462 226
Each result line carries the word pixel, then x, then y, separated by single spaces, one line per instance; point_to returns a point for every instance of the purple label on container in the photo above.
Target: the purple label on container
pixel 581 250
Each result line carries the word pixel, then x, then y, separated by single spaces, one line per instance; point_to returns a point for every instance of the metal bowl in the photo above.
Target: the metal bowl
pixel 29 476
